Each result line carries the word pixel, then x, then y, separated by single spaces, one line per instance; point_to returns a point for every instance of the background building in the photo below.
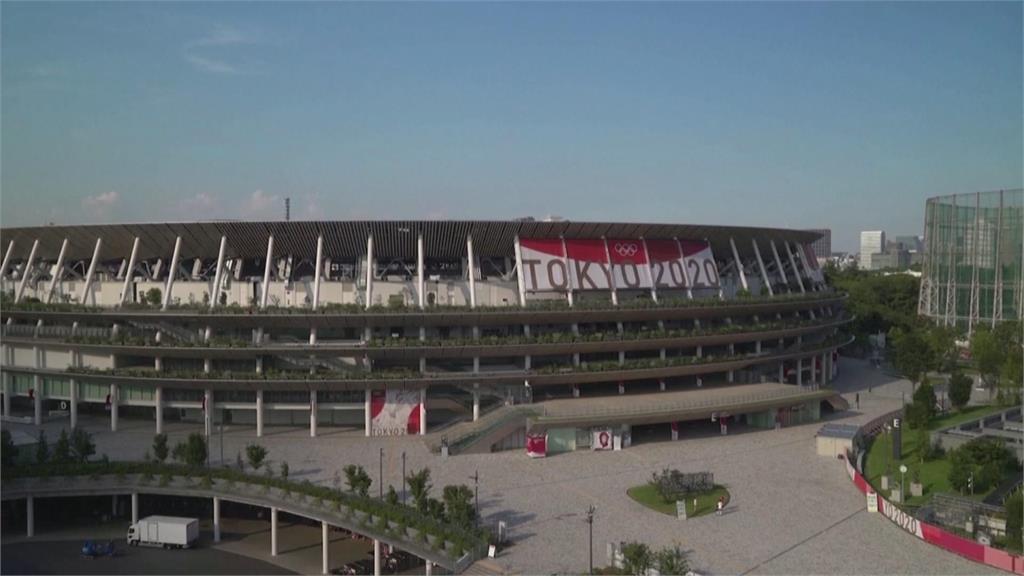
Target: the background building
pixel 871 242
pixel 972 270
pixel 822 247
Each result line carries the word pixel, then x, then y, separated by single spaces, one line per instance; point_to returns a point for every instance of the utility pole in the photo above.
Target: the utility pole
pixel 590 523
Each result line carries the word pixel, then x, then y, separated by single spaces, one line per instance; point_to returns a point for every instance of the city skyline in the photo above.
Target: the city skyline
pixel 762 115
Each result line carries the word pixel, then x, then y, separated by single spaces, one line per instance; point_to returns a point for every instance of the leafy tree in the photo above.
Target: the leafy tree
pixel 357 480
pixel 255 454
pixel 912 355
pixel 877 303
pixel 984 459
pixel 82 446
pixel 434 508
pixel 42 448
pixel 419 488
pixel 154 297
pixel 959 389
pixel 8 452
pixel 458 504
pixel 160 449
pixel 942 341
pixel 1014 519
pixel 636 558
pixel 62 449
pixel 391 496
pixel 191 452
pixel 988 355
pixel 922 409
pixel 671 561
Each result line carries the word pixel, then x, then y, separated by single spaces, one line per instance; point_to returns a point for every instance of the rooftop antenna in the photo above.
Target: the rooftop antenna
pixel 287 209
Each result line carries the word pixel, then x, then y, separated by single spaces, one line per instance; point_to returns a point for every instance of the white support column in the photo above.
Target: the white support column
pixel 87 286
pixel 739 264
pixel 761 267
pixel 30 517
pixel 129 272
pixel 158 408
pixel 423 411
pixel 428 569
pixel 470 258
pixel 312 413
pixel 370 266
pixel 650 272
pixel 476 402
pixel 325 548
pixel 7 260
pixel 520 278
pixel 216 519
pixel 799 371
pixel 37 400
pixel 801 255
pixel 273 531
pixel 113 407
pixel 208 413
pixel 215 290
pixel 7 393
pixel 135 507
pixel 778 262
pixel 376 557
pixel 318 271
pixel 266 272
pixel 611 277
pixel 58 271
pixel 172 271
pixel 26 271
pixel 420 272
pixel 796 271
pixel 368 413
pixel 782 372
pixel 568 273
pixel 259 413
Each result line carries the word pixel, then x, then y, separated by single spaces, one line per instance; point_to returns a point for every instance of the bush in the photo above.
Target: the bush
pixel 82 446
pixel 636 558
pixel 959 390
pixel 192 452
pixel 982 461
pixel 255 454
pixel 160 450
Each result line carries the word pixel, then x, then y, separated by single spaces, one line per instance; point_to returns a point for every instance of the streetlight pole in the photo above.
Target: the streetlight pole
pixel 403 476
pixel 381 473
pixel 590 522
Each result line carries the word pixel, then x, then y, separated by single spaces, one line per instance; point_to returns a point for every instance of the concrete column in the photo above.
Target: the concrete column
pixel 761 267
pixel 800 372
pixel 215 291
pixel 172 272
pixel 796 271
pixel 778 263
pixel 259 364
pixel 318 272
pixel 472 271
pixel 7 395
pixel 259 413
pixel 429 568
pixel 420 271
pixel 325 548
pixel 370 265
pixel 476 404
pixel 6 261
pixel 376 557
pixel 273 531
pixel 129 272
pixel 739 264
pixel 757 347
pixel 266 272
pixel 520 277
pixel 30 517
pixel 158 409
pixel 208 413
pixel 216 519
pixel 369 413
pixel 37 400
pixel 135 507
pixel 782 372
pixel 423 411
pixel 312 413
pixel 113 407
pixel 26 271
pixel 58 271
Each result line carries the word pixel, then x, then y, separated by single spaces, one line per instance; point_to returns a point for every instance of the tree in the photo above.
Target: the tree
pixel 636 558
pixel 284 470
pixel 42 448
pixel 912 355
pixel 8 451
pixel 357 480
pixel 982 460
pixel 458 504
pixel 671 561
pixel 160 447
pixel 922 409
pixel 391 496
pixel 1014 520
pixel 191 452
pixel 62 449
pixel 942 341
pixel 255 454
pixel 987 355
pixel 959 389
pixel 82 446
pixel 154 297
pixel 419 488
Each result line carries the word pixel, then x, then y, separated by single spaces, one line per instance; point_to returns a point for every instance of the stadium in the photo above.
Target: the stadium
pixel 973 272
pixel 483 335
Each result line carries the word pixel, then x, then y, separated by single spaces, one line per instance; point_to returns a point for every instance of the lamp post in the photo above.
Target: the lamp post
pixel 381 473
pixel 403 476
pixel 903 472
pixel 590 523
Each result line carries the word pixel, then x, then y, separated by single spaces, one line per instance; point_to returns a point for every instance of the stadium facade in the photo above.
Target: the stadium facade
pixel 973 271
pixel 503 334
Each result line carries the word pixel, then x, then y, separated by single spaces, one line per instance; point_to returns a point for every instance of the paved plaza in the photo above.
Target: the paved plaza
pixel 791 512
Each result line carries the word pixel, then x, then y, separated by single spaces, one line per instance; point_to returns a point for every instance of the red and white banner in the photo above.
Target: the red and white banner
pixel 543 266
pixel 537 445
pixel 629 264
pixel 666 264
pixel 602 439
pixel 701 268
pixel 395 412
pixel 588 264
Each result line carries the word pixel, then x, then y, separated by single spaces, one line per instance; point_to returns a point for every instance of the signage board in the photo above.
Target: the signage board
pixel 394 412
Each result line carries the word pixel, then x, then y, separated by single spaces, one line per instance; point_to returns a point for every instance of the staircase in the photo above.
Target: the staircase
pixel 478 437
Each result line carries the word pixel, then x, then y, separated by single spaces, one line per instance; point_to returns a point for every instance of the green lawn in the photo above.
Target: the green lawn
pixel 934 473
pixel 647 495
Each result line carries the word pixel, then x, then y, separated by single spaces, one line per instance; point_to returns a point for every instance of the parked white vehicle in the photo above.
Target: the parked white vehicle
pixel 166 531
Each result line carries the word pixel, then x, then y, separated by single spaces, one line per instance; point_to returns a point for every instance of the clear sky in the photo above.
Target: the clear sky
pixel 836 115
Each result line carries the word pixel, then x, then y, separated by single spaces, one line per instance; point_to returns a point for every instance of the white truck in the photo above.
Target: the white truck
pixel 166 531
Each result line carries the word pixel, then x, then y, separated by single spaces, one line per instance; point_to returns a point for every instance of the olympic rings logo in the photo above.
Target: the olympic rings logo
pixel 626 250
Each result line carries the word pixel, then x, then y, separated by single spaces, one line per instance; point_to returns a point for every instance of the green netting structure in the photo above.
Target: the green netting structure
pixel 973 272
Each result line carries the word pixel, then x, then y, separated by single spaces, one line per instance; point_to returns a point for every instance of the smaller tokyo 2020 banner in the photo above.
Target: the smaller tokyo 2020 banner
pixel 602 439
pixel 394 412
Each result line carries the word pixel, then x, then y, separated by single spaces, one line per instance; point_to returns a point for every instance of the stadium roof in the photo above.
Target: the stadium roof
pixel 392 238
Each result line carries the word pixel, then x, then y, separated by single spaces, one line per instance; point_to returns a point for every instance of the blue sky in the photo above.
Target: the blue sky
pixel 835 115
